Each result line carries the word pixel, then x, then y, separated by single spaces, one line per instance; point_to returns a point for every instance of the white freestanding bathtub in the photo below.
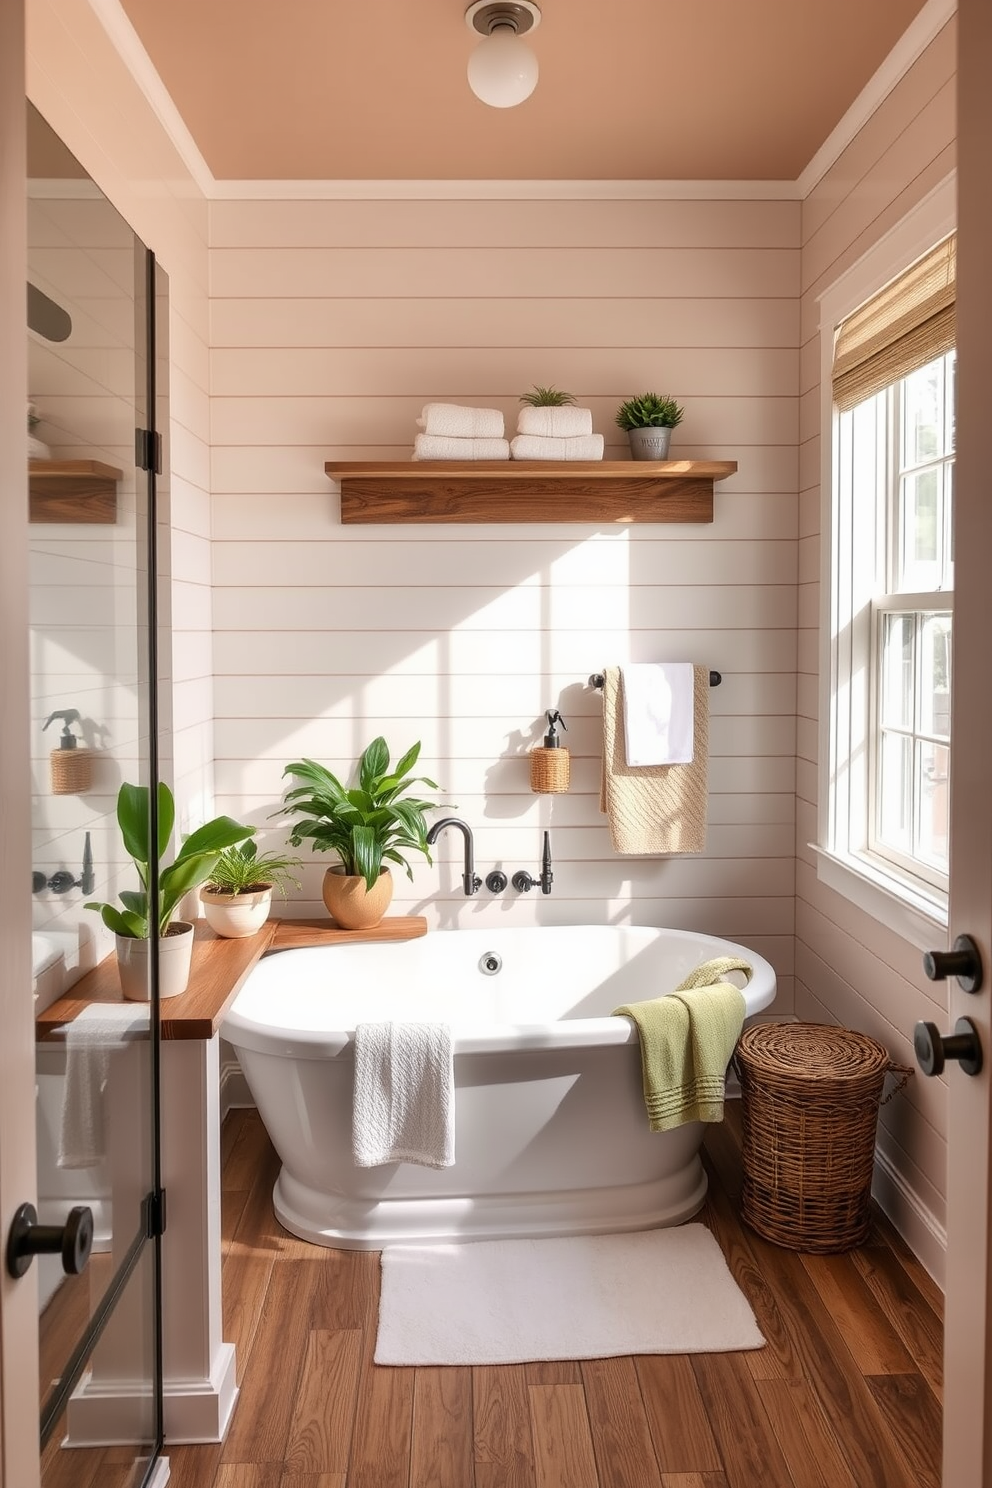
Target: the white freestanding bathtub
pixel 551 1134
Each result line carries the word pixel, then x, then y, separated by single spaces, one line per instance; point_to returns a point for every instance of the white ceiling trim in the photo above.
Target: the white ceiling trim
pixel 914 41
pixel 131 51
pixel 908 49
pixel 230 190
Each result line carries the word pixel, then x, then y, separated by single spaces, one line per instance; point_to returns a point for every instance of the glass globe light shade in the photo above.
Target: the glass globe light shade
pixel 502 71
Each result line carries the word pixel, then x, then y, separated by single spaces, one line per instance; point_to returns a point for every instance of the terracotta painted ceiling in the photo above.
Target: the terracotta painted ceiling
pixel 628 90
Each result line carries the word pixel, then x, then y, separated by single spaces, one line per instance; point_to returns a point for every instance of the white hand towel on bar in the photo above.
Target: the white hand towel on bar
pixel 555 423
pixel 533 447
pixel 657 713
pixel 404 1102
pixel 90 1039
pixel 439 447
pixel 458 422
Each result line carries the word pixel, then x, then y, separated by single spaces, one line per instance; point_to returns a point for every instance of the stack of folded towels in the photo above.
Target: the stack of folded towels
pixel 451 432
pixel 556 433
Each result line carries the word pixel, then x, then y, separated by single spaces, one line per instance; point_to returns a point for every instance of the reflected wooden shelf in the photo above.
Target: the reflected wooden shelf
pixel 528 490
pixel 72 491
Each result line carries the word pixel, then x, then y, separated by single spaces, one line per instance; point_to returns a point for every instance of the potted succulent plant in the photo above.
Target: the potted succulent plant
pixel 649 421
pixel 367 826
pixel 193 864
pixel 237 897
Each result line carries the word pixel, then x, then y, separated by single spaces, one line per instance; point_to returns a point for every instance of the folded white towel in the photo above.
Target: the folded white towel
pixel 438 447
pixel 533 447
pixel 457 422
pixel 555 423
pixel 90 1039
pixel 404 1101
pixel 657 713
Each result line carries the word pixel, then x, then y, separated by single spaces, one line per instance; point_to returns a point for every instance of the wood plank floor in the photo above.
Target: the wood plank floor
pixel 846 1394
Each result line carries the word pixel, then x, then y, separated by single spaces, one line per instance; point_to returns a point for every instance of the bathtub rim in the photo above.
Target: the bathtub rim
pixel 605 1030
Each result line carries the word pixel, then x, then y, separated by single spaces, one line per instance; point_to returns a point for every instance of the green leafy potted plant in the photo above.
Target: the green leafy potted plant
pixel 192 865
pixel 368 826
pixel 649 420
pixel 237 897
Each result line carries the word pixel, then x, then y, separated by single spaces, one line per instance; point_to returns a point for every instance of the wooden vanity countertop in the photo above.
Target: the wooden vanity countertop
pixel 220 966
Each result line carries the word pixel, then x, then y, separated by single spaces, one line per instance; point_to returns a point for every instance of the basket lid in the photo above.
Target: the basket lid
pixel 815 1051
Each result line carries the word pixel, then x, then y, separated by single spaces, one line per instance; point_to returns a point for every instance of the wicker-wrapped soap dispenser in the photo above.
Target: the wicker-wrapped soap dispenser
pixel 71 766
pixel 550 763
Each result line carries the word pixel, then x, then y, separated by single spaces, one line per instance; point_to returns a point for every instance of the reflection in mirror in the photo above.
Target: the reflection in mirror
pixel 87 358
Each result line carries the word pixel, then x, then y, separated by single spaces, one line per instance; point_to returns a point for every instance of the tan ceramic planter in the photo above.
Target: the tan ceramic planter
pixel 175 951
pixel 351 904
pixel 236 915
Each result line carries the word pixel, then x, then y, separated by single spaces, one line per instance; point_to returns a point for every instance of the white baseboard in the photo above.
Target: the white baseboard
pixel 922 1232
pixel 234 1092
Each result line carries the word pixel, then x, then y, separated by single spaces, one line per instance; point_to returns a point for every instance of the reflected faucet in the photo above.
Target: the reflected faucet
pixel 470 882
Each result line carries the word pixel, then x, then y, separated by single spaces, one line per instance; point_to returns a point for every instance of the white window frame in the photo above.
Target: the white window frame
pixel 904 903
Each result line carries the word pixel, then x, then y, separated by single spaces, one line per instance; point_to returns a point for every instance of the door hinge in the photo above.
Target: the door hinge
pixel 154 1213
pixel 148 450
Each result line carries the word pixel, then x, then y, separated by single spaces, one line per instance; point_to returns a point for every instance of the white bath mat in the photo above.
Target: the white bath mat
pixel 584 1297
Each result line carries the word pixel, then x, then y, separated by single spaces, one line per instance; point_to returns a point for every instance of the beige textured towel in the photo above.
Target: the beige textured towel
pixel 654 809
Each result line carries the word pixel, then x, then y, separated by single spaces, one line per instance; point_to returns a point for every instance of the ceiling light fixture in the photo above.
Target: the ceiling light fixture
pixel 502 71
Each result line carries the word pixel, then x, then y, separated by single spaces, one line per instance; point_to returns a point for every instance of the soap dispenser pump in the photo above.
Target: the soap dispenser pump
pixel 550 763
pixel 71 767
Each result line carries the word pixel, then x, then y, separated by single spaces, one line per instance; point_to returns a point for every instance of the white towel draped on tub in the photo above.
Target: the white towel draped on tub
pixel 443 447
pixel 455 421
pixel 404 1103
pixel 90 1039
pixel 658 713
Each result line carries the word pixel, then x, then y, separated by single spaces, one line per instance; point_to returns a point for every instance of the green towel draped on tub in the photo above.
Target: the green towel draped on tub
pixel 687 1038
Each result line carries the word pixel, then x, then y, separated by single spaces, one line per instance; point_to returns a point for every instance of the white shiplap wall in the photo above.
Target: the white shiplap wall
pixel 332 323
pixel 849 968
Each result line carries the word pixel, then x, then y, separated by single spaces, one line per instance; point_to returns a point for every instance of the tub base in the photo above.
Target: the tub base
pixel 356 1224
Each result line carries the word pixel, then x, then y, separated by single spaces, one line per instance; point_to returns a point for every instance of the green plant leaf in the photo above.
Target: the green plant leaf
pixel 213 837
pixel 131 926
pixel 406 764
pixel 132 819
pixel 373 763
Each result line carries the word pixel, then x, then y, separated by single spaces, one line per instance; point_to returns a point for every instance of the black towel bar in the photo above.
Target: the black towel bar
pixel 598 680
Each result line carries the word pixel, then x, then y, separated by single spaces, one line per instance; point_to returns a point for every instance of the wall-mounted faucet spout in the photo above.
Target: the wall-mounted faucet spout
pixel 470 882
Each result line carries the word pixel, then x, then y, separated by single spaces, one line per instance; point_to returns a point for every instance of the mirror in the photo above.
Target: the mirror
pixel 88 316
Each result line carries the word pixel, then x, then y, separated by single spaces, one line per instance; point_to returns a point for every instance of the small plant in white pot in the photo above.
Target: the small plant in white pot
pixel 368 826
pixel 193 864
pixel 237 897
pixel 649 420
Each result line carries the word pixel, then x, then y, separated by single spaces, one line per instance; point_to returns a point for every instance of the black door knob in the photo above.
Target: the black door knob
pixel 932 1049
pixel 963 962
pixel 27 1238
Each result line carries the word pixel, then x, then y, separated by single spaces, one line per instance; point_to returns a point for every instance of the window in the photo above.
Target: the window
pixel 889 367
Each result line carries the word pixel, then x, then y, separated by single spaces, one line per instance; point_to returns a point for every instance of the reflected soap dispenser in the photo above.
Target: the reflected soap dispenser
pixel 71 767
pixel 550 763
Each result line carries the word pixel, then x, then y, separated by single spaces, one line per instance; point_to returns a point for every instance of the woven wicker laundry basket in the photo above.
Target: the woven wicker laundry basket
pixel 810 1098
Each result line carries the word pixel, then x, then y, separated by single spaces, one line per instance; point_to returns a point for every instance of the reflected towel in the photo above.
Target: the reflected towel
pixel 531 447
pixel 90 1039
pixel 654 809
pixel 404 1101
pixel 658 704
pixel 452 420
pixel 687 1039
pixel 555 423
pixel 438 447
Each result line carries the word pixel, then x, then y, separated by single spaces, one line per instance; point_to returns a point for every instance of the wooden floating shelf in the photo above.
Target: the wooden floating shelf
pixel 528 490
pixel 72 491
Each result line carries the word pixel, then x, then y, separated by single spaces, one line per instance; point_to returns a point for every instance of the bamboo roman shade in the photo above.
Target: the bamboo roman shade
pixel 908 324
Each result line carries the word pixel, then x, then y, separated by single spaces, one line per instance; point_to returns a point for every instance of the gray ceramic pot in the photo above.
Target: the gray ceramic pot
pixel 649 444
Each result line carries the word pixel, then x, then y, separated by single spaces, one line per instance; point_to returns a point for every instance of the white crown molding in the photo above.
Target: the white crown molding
pixel 914 41
pixel 911 45
pixel 127 43
pixel 538 190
